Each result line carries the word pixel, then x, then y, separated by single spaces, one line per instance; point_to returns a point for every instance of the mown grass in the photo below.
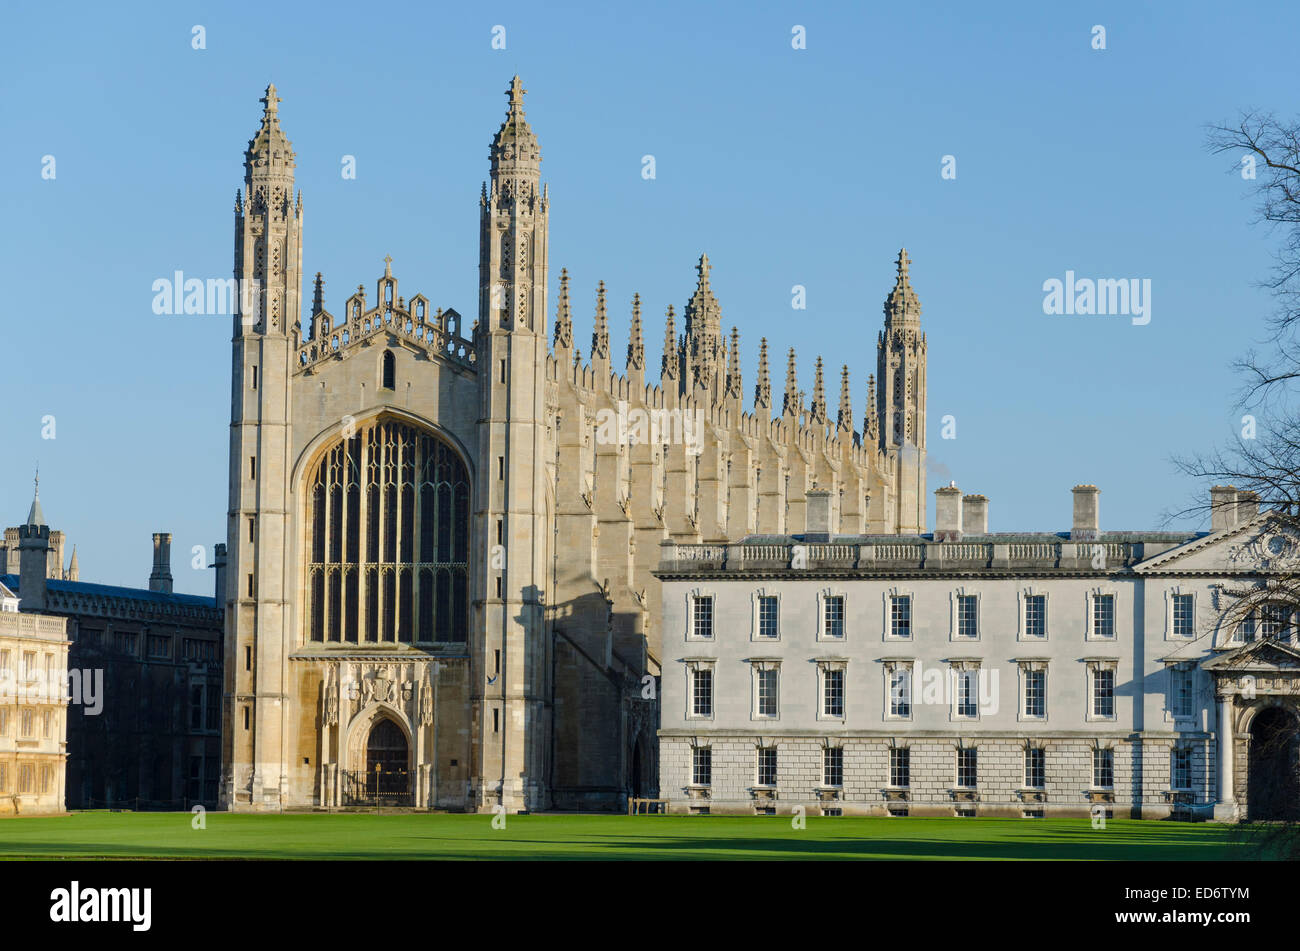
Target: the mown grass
pixel 108 835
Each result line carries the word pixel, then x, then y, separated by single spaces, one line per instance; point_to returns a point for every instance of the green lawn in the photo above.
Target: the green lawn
pixel 104 835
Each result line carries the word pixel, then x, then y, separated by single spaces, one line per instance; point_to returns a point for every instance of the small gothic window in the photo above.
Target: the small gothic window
pixel 389 371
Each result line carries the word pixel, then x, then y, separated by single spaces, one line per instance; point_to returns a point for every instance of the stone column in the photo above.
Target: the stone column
pixel 1225 808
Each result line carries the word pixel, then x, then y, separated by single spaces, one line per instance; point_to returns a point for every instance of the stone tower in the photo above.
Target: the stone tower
pixel 509 643
pixel 268 250
pixel 900 369
pixel 33 555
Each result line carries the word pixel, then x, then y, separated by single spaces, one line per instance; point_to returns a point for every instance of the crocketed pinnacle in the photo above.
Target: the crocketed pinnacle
pixel 817 411
pixel 871 424
pixel 791 407
pixel 563 315
pixel 635 345
pixel 844 422
pixel 600 335
pixel 668 365
pixel 763 388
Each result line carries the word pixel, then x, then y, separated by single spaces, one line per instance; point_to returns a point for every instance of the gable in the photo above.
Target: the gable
pixel 1267 544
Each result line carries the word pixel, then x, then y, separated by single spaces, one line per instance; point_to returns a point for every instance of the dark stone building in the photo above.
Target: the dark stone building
pixel 146 666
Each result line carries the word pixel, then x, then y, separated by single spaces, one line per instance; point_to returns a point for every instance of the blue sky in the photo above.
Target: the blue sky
pixel 787 166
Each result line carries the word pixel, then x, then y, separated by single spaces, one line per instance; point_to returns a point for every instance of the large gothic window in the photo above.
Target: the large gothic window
pixel 388 543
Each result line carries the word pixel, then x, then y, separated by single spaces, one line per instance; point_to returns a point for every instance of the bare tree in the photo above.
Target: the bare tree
pixel 1264 459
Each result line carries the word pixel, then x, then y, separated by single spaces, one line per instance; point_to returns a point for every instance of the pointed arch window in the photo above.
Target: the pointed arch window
pixel 388 539
pixel 389 371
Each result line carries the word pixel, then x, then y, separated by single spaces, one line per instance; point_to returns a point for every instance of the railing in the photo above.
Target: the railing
pixel 385 788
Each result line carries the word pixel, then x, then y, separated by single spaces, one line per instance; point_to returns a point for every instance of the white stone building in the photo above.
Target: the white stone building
pixel 969 673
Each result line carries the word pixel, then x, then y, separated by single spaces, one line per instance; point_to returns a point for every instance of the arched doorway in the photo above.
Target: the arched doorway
pixel 387 779
pixel 1273 790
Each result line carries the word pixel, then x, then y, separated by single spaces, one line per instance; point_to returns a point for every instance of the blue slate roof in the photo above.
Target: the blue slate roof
pixel 110 591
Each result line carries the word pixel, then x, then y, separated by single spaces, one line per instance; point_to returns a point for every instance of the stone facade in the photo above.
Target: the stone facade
pixel 33 711
pixel 520 572
pixel 1151 652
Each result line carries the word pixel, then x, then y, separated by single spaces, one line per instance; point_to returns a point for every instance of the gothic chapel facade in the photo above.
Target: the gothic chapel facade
pixel 440 578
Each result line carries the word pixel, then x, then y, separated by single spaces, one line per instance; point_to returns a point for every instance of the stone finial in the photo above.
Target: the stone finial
pixel 817 411
pixel 763 388
pixel 635 345
pixel 600 335
pixel 270 100
pixel 318 295
pixel 563 316
pixel 668 366
pixel 844 422
pixel 791 405
pixel 902 304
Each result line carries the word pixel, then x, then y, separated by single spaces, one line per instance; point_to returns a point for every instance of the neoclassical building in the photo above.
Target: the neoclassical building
pixel 33 708
pixel 442 537
pixel 963 672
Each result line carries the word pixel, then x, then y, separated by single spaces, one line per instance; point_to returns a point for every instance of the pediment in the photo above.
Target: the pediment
pixel 1262 655
pixel 1267 544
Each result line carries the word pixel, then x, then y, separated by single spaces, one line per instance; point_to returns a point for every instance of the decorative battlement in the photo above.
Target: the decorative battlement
pixel 435 333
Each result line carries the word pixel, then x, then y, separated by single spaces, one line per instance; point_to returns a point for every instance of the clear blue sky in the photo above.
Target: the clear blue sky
pixel 788 167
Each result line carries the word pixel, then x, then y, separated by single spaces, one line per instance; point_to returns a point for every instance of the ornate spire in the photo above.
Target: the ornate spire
pixel 318 295
pixel 763 388
pixel 902 304
pixel 269 149
pixel 563 316
pixel 871 425
pixel 600 335
pixel 635 345
pixel 74 568
pixel 514 150
pixel 844 423
pixel 817 411
pixel 668 366
pixel 793 398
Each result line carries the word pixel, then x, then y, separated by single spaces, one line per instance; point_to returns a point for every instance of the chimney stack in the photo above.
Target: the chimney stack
pixel 1086 524
pixel 947 513
pixel 160 579
pixel 974 515
pixel 1223 508
pixel 1247 506
pixel 819 519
